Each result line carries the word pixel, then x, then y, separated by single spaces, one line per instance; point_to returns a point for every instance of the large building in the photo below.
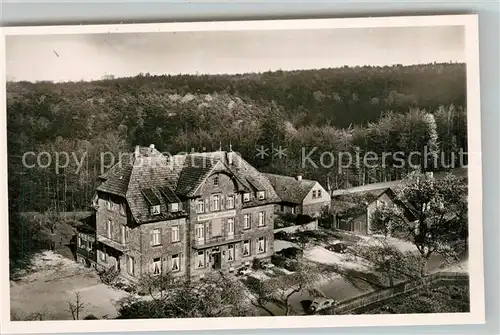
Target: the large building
pixel 185 214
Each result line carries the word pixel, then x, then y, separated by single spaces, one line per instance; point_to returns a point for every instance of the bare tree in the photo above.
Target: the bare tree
pixel 76 307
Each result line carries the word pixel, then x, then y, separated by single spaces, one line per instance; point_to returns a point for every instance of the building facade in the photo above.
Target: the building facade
pixel 185 214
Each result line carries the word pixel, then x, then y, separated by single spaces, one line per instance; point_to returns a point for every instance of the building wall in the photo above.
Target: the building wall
pixel 218 243
pixel 313 205
pixel 372 208
pixel 106 256
pixel 164 251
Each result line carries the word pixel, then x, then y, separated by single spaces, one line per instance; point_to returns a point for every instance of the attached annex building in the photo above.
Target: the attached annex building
pixel 185 214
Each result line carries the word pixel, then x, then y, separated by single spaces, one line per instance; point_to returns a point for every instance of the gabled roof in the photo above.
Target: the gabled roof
pixel 290 189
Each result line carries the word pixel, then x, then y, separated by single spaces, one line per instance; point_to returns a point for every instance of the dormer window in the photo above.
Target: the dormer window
pixel 246 197
pixel 174 207
pixel 319 193
pixel 314 194
pixel 261 195
pixel 155 210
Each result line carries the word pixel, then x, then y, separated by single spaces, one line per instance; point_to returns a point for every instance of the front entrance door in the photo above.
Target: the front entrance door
pixel 216 260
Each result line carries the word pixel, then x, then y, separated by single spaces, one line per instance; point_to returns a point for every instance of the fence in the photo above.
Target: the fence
pixel 350 305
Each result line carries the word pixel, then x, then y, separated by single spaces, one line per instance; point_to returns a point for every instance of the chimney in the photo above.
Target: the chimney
pixel 151 146
pixel 230 155
pixel 136 151
pixel 299 177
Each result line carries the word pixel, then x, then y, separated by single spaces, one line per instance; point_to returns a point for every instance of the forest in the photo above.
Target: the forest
pixel 350 109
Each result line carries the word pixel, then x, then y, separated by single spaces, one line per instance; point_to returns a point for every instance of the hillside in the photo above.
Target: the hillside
pixel 371 108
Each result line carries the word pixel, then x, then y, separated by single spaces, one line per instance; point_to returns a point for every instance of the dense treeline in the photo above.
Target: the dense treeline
pixel 356 110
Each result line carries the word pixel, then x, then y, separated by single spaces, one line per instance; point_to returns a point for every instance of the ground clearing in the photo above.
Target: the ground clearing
pixel 53 282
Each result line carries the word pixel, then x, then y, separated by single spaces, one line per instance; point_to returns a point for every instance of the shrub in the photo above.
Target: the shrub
pixel 303 219
pixel 108 276
pixel 256 264
pixel 291 252
pixel 91 317
pixel 278 260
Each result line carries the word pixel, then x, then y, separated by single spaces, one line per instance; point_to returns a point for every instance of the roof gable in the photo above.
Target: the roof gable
pixel 290 189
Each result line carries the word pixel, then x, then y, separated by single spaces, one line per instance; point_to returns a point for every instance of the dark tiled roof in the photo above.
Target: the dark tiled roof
pixel 151 178
pixel 150 196
pixel 116 180
pixel 289 189
pixel 169 194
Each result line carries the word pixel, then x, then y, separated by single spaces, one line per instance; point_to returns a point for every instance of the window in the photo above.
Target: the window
pixel 314 194
pixel 108 204
pixel 282 208
pixel 174 207
pixel 246 221
pixel 104 255
pixel 261 195
pixel 175 263
pixel 155 210
pixel 79 242
pixel 200 232
pixel 215 202
pixel 200 259
pixel 156 237
pixel 91 246
pixel 216 181
pixel 319 193
pixel 261 245
pixel 175 234
pixel 124 237
pixel 230 252
pixel 230 202
pixel 108 229
pixel 230 226
pixel 293 210
pixel 130 265
pixel 246 197
pixel 156 266
pixel 262 219
pixel 122 209
pixel 380 203
pixel 246 248
pixel 200 206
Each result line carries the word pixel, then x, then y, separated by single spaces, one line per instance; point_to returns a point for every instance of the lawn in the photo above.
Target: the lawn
pixel 52 282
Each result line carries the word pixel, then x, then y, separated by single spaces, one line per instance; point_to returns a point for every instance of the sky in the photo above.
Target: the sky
pixel 93 56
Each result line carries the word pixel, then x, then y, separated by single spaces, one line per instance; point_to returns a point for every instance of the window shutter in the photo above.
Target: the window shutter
pixel 181 206
pixel 168 235
pixel 207 205
pixel 224 227
pixel 181 232
pixel 150 237
pixel 209 230
pixel 222 202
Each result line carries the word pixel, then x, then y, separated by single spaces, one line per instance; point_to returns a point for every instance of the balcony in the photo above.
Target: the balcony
pixel 113 244
pixel 216 241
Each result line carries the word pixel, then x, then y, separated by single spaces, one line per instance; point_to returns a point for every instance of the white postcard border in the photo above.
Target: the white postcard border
pixel 476 270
